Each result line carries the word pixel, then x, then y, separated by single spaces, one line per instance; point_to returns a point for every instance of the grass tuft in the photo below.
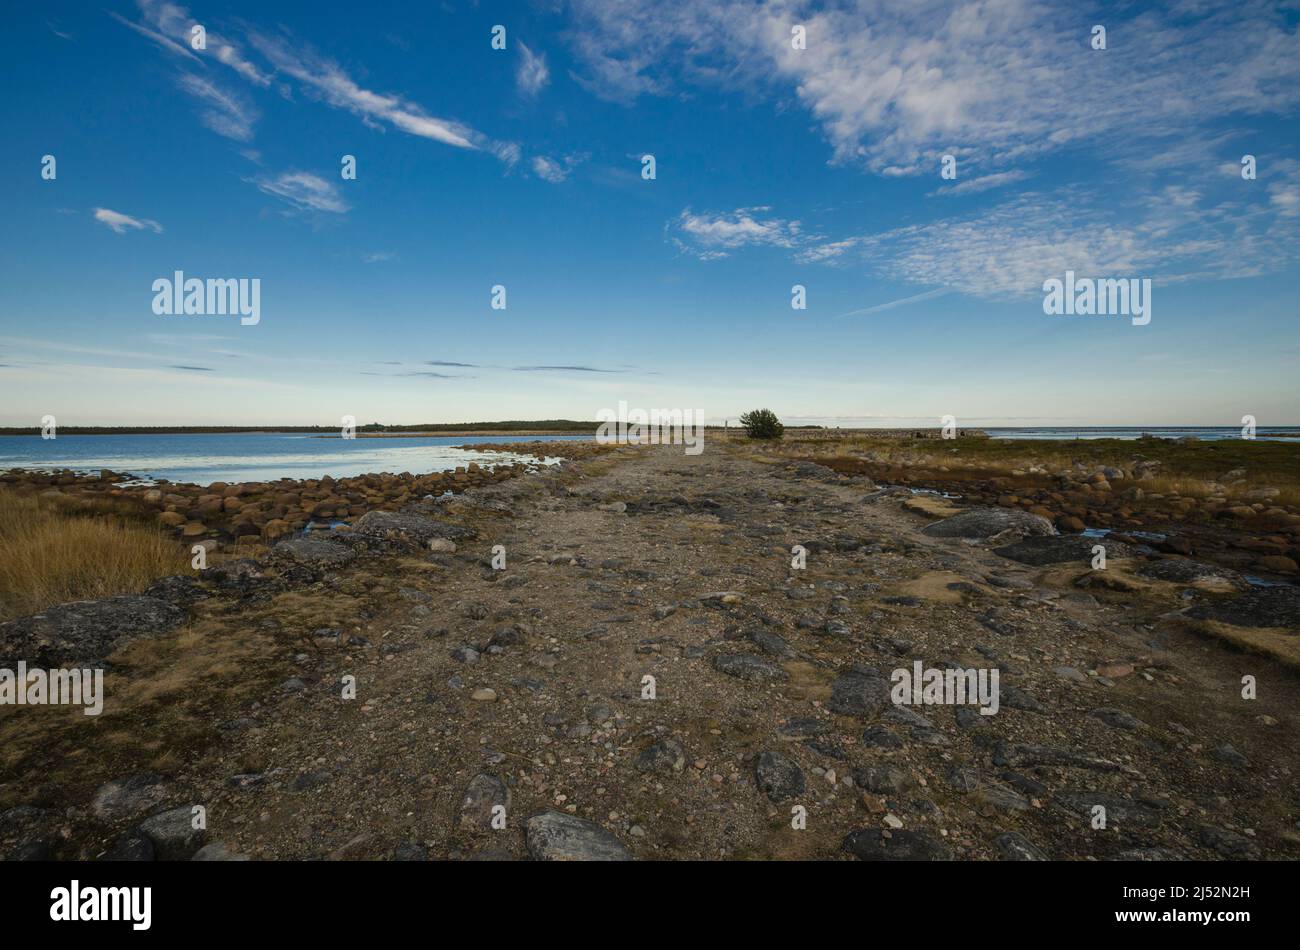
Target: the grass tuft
pixel 51 554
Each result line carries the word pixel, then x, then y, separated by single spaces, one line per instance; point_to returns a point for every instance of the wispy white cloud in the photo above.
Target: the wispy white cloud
pixel 121 223
pixel 901 302
pixel 533 73
pixel 1173 234
pixel 224 112
pixel 995 81
pixel 334 86
pixel 303 191
pixel 549 170
pixel 710 235
pixel 971 186
pixel 556 170
pixel 169 25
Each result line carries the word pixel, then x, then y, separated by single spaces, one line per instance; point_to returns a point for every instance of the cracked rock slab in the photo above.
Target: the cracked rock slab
pixel 82 633
pixel 555 836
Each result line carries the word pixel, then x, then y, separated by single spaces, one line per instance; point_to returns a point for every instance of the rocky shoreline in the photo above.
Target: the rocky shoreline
pixel 501 707
pixel 253 513
pixel 1253 534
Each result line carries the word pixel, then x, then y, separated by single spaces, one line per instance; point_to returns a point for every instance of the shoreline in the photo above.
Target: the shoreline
pixel 1162 502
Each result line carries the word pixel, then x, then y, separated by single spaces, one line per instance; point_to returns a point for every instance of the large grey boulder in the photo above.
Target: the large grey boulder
pixel 779 776
pixel 872 844
pixel 313 552
pixel 860 692
pixel 412 527
pixel 82 633
pixel 986 522
pixel 1181 570
pixel 555 836
pixel 485 792
pixel 127 797
pixel 1061 549
pixel 173 834
pixel 1262 607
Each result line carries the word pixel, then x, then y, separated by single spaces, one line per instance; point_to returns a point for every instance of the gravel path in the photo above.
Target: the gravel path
pixel 519 697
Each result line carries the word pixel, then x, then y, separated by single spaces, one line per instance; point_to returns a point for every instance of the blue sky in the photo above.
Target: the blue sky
pixel 775 166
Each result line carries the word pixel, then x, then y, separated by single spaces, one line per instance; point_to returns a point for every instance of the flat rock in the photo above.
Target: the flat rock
pixel 1117 718
pixel 1147 854
pixel 483 793
pixel 82 633
pixel 217 851
pixel 128 797
pixel 1231 845
pixel 1124 812
pixel 748 667
pixel 1020 755
pixel 773 644
pixel 555 836
pixel 1180 570
pixel 859 694
pixel 173 834
pixel 662 758
pixel 779 776
pixel 417 528
pixel 987 522
pixel 1016 847
pixel 882 779
pixel 1261 607
pixel 313 552
pixel 1060 549
pixel 873 844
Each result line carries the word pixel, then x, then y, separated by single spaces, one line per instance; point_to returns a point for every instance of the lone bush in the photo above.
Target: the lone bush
pixel 762 424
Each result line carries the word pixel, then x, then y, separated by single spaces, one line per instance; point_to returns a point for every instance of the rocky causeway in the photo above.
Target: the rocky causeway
pixel 618 659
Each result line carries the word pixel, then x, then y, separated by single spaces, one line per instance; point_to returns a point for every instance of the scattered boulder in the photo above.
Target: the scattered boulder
pixel 484 793
pixel 1060 549
pixel 748 667
pixel 1124 812
pixel 173 835
pixel 412 527
pixel 315 553
pixel 555 836
pixel 873 844
pixel 862 693
pixel 779 776
pixel 84 632
pixel 1180 570
pixel 983 523
pixel 127 797
pixel 1016 847
pixel 1260 607
pixel 217 851
pixel 663 758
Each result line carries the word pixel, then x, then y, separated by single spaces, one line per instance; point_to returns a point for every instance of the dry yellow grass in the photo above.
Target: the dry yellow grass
pixel 50 555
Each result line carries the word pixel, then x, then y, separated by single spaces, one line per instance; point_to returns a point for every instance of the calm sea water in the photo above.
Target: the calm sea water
pixel 1205 433
pixel 253 456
